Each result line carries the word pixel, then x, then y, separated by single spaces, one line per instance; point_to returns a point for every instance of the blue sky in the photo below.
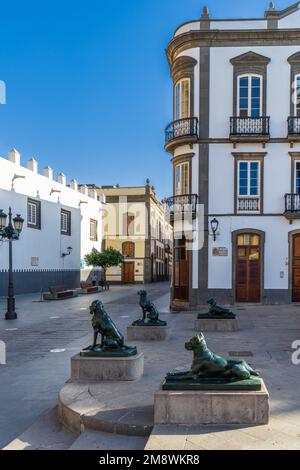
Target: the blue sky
pixel 88 85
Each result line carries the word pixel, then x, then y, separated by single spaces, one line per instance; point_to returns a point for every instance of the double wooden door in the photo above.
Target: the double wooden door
pixel 248 268
pixel 296 269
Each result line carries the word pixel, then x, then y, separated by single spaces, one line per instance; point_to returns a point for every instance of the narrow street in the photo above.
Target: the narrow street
pixel 41 341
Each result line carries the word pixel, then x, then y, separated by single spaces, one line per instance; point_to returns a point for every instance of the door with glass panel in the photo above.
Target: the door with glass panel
pixel 182 124
pixel 248 268
pixel 250 96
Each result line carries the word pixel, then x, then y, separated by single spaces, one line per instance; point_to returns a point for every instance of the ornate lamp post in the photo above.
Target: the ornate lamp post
pixel 10 233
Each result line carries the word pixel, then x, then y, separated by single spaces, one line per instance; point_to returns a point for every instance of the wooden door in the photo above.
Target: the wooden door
pixel 296 268
pixel 128 271
pixel 181 271
pixel 248 268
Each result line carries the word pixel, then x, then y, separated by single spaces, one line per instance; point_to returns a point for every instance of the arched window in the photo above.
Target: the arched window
pixel 250 95
pixel 182 99
pixel 128 249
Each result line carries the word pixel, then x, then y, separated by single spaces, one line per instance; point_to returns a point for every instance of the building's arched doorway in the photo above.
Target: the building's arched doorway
pixel 248 267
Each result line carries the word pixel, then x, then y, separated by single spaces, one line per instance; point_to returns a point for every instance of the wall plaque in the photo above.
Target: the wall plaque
pixel 221 251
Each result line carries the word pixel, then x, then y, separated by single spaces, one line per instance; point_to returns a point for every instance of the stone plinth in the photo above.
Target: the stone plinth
pixel 216 325
pixel 212 407
pixel 98 369
pixel 147 333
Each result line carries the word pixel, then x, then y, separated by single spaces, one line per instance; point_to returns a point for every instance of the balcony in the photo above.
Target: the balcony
pixel 292 206
pixel 250 129
pixel 182 131
pixel 180 205
pixel 294 128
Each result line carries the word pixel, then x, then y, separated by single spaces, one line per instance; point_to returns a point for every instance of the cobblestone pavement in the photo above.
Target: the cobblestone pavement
pixel 41 341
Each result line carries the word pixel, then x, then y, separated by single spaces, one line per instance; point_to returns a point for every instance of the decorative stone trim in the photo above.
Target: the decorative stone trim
pixel 250 62
pixel 230 38
pixel 238 156
pixel 294 61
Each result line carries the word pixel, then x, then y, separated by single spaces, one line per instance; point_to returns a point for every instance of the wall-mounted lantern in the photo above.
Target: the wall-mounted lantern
pixel 214 228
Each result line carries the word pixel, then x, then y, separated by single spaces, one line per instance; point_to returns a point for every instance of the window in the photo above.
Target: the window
pixel 182 99
pixel 128 224
pixel 128 249
pixel 297 177
pixel 182 177
pixel 297 96
pixel 249 178
pixel 65 222
pixel 93 230
pixel 34 214
pixel 250 96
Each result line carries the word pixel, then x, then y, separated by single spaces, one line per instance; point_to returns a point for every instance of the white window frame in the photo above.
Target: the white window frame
pixel 94 223
pixel 248 195
pixel 250 76
pixel 65 218
pixel 295 176
pixel 180 189
pixel 32 221
pixel 178 106
pixel 295 95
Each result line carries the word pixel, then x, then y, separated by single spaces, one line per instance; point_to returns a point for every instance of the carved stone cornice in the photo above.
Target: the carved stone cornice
pixel 231 38
pixel 182 66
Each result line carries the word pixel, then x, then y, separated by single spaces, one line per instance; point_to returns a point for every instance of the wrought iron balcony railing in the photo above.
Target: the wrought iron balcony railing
pixel 185 204
pixel 250 126
pixel 292 204
pixel 248 204
pixel 294 126
pixel 182 128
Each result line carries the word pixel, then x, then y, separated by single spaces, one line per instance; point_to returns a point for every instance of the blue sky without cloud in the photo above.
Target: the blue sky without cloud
pixel 88 85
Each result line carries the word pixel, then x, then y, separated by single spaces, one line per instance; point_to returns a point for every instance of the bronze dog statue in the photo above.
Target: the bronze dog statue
pixel 209 365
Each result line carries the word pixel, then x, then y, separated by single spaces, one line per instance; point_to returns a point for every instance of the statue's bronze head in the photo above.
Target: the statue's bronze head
pixel 196 342
pixel 142 293
pixel 96 307
pixel 211 302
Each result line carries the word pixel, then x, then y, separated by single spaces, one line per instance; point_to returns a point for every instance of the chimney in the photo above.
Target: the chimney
pixel 14 156
pixel 48 172
pixel 84 190
pixel 74 185
pixel 61 179
pixel 32 165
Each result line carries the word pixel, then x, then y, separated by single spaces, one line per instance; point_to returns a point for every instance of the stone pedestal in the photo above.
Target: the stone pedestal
pixel 147 333
pixel 212 407
pixel 213 325
pixel 98 369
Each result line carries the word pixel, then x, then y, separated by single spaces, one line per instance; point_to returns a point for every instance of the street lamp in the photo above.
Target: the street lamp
pixel 10 233
pixel 214 227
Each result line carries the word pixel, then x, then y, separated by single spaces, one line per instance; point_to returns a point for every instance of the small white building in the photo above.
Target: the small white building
pixel 235 145
pixel 56 217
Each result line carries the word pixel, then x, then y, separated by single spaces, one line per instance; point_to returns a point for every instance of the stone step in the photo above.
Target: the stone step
pixel 97 440
pixel 46 433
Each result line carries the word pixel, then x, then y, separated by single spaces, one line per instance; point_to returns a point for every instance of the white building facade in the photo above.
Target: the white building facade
pixel 56 217
pixel 235 145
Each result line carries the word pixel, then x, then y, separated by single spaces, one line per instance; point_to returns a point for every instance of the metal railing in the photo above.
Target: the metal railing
pixel 186 203
pixel 250 126
pixel 248 204
pixel 294 125
pixel 292 203
pixel 182 128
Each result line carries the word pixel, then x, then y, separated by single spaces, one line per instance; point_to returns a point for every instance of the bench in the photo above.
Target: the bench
pixel 59 293
pixel 87 288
